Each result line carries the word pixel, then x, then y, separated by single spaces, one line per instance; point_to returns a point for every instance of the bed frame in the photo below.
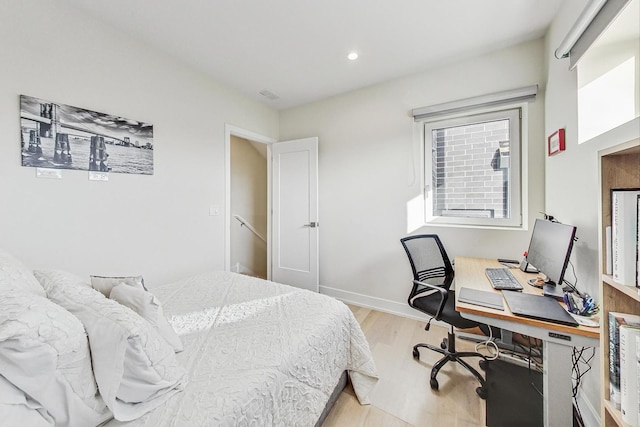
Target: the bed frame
pixel 342 383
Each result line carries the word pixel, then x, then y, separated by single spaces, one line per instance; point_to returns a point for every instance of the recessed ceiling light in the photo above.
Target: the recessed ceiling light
pixel 353 56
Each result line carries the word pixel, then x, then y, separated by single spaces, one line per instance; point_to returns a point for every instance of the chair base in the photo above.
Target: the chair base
pixel 447 348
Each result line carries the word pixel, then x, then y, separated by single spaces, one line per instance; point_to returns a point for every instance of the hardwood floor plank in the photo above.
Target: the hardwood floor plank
pixel 348 412
pixel 403 396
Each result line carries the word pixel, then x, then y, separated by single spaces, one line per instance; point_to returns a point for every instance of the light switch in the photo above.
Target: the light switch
pixel 214 210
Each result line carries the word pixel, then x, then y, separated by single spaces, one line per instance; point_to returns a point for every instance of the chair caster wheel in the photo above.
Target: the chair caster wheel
pixel 443 344
pixel 482 393
pixel 416 354
pixel 434 384
pixel 483 364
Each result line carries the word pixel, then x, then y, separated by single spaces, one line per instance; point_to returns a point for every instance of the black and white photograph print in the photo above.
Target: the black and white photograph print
pixel 60 136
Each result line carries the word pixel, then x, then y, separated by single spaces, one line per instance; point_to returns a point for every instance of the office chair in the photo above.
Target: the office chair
pixel 431 294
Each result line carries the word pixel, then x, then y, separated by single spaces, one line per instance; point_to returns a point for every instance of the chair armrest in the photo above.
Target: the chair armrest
pixel 444 294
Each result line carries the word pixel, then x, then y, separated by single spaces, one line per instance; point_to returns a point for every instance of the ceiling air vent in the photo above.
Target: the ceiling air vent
pixel 269 95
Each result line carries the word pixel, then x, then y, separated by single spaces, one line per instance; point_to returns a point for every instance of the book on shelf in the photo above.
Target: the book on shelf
pixel 617 319
pixel 638 243
pixel 638 377
pixel 629 374
pixel 624 234
pixel 608 269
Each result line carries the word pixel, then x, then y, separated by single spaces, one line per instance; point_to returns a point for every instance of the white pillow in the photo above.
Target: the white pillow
pixel 135 368
pixel 148 307
pixel 105 284
pixel 15 277
pixel 44 352
pixel 18 409
pixel 50 279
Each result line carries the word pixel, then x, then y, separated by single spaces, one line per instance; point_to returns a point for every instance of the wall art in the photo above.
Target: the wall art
pixel 60 136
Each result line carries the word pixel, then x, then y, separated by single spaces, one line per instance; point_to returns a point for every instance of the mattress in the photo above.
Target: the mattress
pixel 258 353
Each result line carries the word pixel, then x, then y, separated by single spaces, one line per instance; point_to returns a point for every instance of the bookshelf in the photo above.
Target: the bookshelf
pixel 619 168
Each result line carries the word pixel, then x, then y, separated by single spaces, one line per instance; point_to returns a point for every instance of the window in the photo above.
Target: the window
pixel 472 169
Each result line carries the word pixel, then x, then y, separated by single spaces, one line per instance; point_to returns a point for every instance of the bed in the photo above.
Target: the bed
pixel 251 352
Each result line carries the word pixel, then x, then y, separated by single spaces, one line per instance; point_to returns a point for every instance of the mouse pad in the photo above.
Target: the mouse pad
pixel 538 307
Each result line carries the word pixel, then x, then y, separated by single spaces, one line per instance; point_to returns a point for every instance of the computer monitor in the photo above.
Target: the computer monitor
pixel 549 252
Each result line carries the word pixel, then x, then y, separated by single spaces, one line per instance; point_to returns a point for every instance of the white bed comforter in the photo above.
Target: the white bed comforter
pixel 258 353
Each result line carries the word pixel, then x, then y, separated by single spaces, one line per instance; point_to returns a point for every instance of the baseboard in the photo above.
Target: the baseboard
pixel 590 415
pixel 380 304
pixel 243 269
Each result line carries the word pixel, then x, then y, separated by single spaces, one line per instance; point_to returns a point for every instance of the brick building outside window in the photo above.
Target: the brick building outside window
pixel 472 164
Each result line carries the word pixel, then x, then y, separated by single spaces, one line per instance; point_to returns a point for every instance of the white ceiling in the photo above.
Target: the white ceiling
pixel 297 49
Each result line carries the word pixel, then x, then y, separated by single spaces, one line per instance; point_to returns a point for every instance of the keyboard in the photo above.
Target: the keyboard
pixel 502 279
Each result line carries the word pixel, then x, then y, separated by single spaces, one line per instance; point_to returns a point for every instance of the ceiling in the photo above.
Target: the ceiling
pixel 297 49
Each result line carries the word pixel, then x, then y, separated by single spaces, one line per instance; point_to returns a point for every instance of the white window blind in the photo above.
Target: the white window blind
pixel 592 22
pixel 475 103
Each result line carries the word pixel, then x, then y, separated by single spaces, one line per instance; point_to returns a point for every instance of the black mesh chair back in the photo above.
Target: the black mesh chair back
pixel 429 261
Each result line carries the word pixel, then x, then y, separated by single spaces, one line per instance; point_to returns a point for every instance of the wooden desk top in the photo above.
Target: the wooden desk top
pixel 470 274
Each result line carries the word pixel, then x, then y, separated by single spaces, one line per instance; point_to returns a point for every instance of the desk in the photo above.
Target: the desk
pixel 559 340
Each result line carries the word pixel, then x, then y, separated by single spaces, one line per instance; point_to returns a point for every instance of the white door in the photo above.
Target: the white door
pixel 295 224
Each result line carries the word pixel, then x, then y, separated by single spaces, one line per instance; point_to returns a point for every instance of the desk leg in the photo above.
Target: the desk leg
pixel 558 404
pixel 506 337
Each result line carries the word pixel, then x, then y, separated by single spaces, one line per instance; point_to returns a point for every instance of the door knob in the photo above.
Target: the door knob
pixel 312 224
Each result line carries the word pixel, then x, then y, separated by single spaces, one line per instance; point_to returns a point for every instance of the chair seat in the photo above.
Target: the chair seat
pixel 429 304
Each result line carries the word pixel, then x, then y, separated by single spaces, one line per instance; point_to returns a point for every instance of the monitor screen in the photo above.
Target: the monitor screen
pixel 550 248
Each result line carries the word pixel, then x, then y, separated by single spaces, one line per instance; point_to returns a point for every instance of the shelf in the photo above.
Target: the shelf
pixel 615 414
pixel 618 169
pixel 630 291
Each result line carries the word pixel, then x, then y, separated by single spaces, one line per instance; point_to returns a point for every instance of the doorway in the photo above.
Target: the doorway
pixel 291 238
pixel 247 218
pixel 248 207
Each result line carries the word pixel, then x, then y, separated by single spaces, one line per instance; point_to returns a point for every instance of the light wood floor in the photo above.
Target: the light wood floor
pixel 402 396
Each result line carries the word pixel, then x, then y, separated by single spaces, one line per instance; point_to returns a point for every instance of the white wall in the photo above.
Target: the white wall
pixel 571 178
pixel 369 168
pixel 608 87
pixel 249 200
pixel 158 226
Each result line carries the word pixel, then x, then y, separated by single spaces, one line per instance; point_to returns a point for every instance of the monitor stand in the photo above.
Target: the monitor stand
pixel 526 267
pixel 554 291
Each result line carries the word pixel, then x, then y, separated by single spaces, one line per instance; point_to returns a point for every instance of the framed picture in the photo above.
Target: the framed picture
pixel 60 136
pixel 555 142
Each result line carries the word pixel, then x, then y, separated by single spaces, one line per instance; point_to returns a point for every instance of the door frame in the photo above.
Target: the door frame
pixel 231 130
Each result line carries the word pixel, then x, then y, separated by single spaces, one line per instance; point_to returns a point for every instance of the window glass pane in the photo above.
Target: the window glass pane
pixel 470 170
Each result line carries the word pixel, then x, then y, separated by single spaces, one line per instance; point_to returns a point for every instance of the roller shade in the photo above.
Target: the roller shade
pixel 591 23
pixel 491 100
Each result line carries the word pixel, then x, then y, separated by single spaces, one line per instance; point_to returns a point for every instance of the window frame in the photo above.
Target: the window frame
pixel 518 204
